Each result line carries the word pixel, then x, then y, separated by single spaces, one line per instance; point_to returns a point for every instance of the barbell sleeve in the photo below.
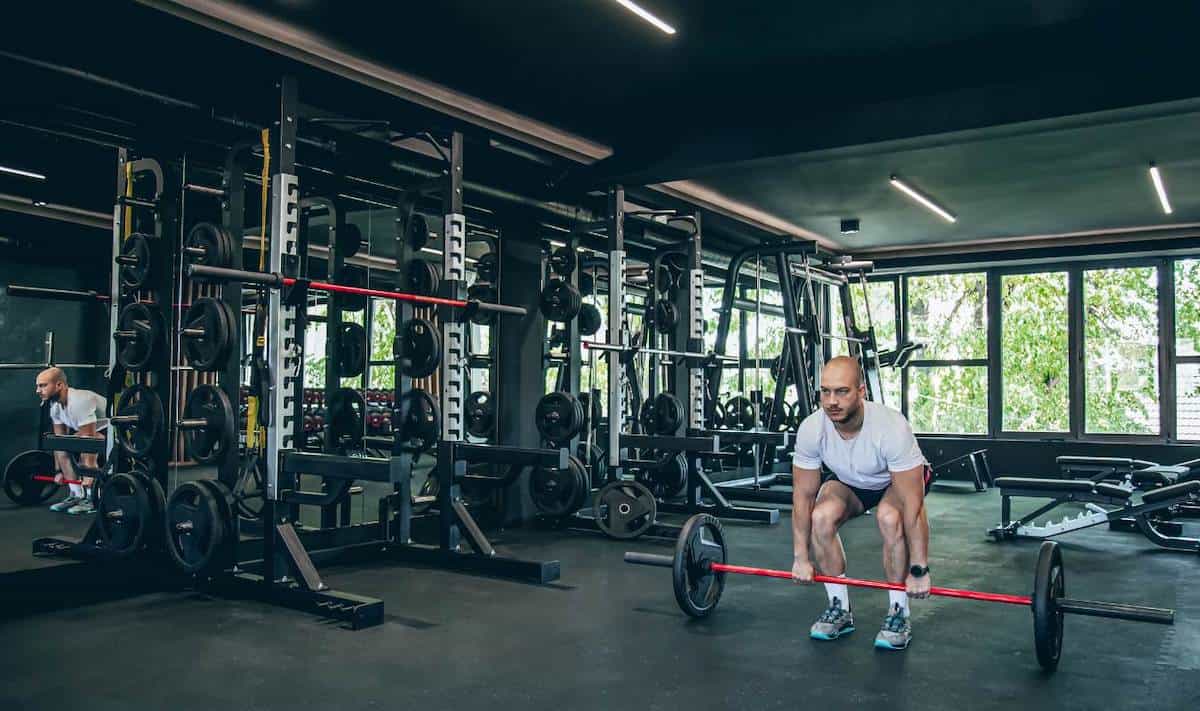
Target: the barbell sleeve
pixel 654 559
pixel 211 273
pixel 194 423
pixel 1117 611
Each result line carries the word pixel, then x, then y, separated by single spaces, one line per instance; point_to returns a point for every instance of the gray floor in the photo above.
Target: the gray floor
pixel 609 635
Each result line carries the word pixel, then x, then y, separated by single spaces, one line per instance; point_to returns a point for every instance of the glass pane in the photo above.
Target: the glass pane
pixel 383 329
pixel 948 399
pixel 1188 400
pixel 948 314
pixel 837 326
pixel 314 355
pixel 1033 352
pixel 891 387
pixel 1187 307
pixel 1121 350
pixel 383 377
pixel 881 297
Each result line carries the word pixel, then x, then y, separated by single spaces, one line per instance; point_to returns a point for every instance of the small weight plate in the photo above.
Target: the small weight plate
pixel 137 438
pixel 739 413
pixel 209 443
pixel 483 292
pixel 137 248
pixel 559 492
pixel 351 351
pixel 418 231
pixel 346 418
pixel 213 240
pixel 418 423
pixel 210 350
pixel 195 529
pixel 624 509
pixel 563 260
pixel 590 320
pixel 422 277
pixel 348 240
pixel 480 414
pixel 487 268
pixel 418 347
pixel 558 416
pixel 560 302
pixel 140 329
pixel 125 513
pixel 697 588
pixel 355 276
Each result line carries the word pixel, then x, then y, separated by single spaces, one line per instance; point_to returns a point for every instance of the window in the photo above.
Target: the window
pixel 1187 349
pixel 878 310
pixel 1121 350
pixel 1035 366
pixel 947 383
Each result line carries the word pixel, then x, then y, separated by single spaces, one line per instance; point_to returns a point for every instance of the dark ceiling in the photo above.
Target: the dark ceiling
pixel 799 110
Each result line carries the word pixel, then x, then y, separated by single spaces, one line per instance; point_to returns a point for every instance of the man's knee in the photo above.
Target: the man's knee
pixel 825 521
pixel 891 523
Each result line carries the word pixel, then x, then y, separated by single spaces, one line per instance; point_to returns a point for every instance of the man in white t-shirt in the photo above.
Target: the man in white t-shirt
pixel 876 464
pixel 73 411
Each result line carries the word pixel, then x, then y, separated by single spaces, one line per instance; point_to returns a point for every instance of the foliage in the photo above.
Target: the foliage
pixel 1033 352
pixel 1121 350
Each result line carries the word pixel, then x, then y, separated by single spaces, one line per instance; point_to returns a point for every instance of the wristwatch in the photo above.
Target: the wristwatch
pixel 919 571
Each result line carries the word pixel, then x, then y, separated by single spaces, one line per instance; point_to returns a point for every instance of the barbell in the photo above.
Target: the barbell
pixel 278 281
pixel 699 568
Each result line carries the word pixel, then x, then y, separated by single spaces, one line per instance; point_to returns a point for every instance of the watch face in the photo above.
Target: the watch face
pixel 918 571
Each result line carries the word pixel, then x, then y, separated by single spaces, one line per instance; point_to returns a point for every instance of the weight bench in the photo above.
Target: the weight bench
pixel 1142 473
pixel 1103 502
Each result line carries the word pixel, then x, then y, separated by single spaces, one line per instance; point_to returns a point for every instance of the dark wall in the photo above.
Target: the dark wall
pixel 1008 457
pixel 51 254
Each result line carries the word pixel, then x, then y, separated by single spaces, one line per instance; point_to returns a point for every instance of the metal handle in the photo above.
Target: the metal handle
pixel 654 559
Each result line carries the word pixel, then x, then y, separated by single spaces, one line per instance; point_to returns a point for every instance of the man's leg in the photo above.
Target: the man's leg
pixel 66 468
pixel 90 461
pixel 835 505
pixel 889 515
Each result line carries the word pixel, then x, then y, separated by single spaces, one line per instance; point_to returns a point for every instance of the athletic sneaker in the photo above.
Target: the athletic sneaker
pixel 83 507
pixel 66 503
pixel 896 632
pixel 833 622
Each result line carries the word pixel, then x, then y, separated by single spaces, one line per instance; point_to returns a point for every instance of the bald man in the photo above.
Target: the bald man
pixel 876 464
pixel 72 411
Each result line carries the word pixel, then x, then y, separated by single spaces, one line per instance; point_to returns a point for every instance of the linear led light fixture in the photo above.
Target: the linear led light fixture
pixel 1160 188
pixel 924 200
pixel 645 15
pixel 22 173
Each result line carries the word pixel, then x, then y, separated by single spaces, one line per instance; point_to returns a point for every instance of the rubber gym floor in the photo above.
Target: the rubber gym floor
pixel 609 635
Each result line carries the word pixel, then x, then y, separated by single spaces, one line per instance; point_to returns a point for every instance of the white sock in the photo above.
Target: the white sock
pixel 839 591
pixel 898 597
pixel 76 490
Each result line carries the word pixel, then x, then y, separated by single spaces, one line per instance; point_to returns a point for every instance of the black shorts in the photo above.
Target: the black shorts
pixel 870 498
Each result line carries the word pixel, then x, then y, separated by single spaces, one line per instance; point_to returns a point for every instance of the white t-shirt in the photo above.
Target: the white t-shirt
pixel 884 445
pixel 83 408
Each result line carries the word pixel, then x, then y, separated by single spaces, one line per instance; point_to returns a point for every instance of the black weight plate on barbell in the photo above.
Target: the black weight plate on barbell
pixel 487 267
pixel 138 438
pixel 356 276
pixel 210 351
pixel 559 492
pixel 701 543
pixel 146 324
pixel 213 239
pixel 421 277
pixel 208 444
pixel 19 483
pixel 666 316
pixel 417 231
pixel 351 351
pixel 137 246
pixel 559 301
pixel 563 260
pixel 483 292
pixel 194 527
pixel 417 422
pixel 624 509
pixel 739 413
pixel 480 414
pixel 590 320
pixel 1049 584
pixel 125 514
pixel 558 416
pixel 345 418
pixel 418 347
pixel 348 240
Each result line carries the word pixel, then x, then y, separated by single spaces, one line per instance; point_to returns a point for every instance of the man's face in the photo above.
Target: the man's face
pixel 841 393
pixel 48 389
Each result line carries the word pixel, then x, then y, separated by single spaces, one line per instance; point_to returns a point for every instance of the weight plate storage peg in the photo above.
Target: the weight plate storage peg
pixel 208 424
pixel 417 347
pixel 137 420
pixel 558 416
pixel 624 509
pixel 351 353
pixel 139 336
pixel 135 261
pixel 208 244
pixel 418 421
pixel 480 414
pixel 127 514
pixel 206 333
pixel 559 492
pixel 560 302
pixel 19 483
pixel 195 527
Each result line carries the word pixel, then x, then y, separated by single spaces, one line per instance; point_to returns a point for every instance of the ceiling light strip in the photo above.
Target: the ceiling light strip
pixel 924 200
